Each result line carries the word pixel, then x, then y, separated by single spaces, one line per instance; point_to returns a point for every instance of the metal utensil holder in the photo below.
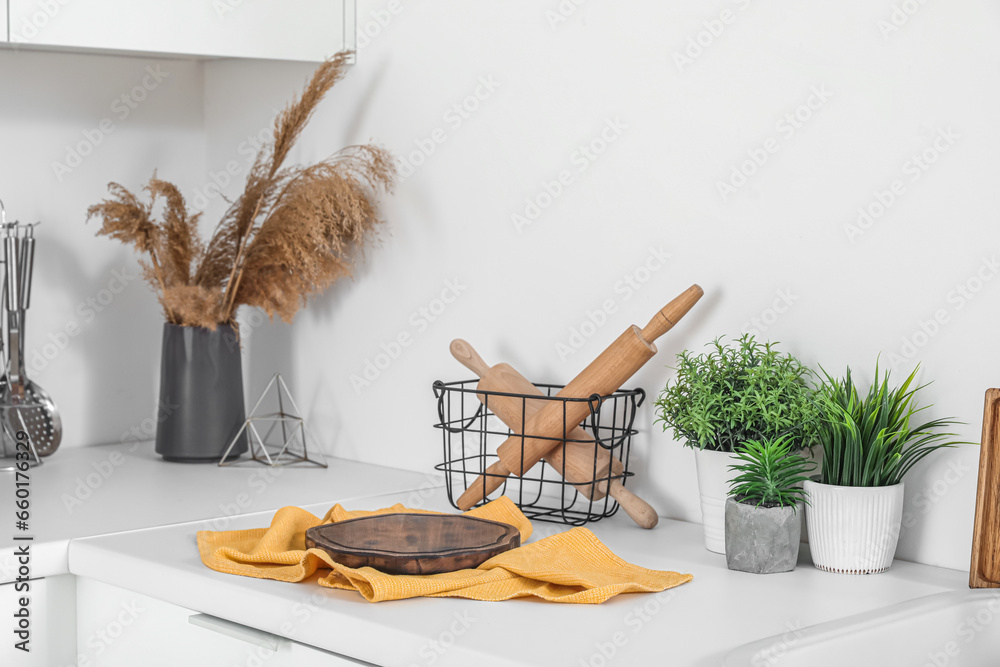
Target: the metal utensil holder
pixel 9 440
pixel 19 410
pixel 13 448
pixel 471 434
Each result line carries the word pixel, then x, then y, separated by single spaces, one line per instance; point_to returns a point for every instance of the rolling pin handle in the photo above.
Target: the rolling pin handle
pixel 485 484
pixel 638 509
pixel 672 313
pixel 468 357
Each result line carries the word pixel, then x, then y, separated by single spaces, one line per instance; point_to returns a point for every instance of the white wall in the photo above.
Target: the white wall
pixel 69 124
pixel 884 100
pixel 682 131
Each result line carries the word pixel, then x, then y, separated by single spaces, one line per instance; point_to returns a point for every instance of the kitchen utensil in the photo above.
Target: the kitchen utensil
pixel 985 569
pixel 578 454
pixel 413 543
pixel 603 376
pixel 27 266
pixel 25 405
pixel 13 387
pixel 3 295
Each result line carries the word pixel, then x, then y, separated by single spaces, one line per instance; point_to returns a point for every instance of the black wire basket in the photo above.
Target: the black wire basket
pixel 471 434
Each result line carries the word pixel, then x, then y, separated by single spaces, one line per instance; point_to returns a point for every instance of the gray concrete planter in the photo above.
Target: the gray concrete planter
pixel 762 540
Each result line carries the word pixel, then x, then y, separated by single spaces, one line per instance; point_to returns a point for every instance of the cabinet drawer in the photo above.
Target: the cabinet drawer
pixel 119 628
pixel 52 616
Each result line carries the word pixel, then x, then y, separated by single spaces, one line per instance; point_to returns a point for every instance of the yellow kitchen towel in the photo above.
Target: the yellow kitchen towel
pixel 573 566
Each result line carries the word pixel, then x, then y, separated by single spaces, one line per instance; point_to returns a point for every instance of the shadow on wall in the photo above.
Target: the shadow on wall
pixel 317 401
pixel 73 123
pixel 268 347
pixel 362 104
pixel 655 453
pixel 117 301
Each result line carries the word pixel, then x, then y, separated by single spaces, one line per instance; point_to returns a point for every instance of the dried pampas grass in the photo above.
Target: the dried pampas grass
pixel 291 234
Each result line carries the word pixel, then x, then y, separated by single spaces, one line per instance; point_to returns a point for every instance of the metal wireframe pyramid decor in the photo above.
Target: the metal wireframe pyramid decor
pixel 277 438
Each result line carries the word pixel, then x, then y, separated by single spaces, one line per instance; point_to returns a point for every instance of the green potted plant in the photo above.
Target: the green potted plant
pixel 763 526
pixel 736 392
pixel 855 507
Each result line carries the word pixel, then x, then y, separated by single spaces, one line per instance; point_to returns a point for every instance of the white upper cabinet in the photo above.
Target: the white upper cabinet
pixel 309 30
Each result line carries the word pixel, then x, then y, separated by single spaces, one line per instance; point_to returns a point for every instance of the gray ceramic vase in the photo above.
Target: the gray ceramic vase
pixel 201 394
pixel 762 540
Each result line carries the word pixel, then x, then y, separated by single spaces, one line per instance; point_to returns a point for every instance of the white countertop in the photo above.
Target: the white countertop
pixel 695 624
pixel 87 491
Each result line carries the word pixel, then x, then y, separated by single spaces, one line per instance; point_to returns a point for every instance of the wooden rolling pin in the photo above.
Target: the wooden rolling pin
pixel 581 469
pixel 605 375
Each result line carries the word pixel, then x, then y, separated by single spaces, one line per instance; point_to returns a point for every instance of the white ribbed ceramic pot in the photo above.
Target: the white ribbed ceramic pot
pixel 714 476
pixel 853 529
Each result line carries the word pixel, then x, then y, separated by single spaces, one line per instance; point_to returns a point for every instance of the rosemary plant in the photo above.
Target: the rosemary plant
pixel 741 391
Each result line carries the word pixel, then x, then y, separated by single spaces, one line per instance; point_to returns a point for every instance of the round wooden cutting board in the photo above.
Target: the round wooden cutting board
pixel 414 543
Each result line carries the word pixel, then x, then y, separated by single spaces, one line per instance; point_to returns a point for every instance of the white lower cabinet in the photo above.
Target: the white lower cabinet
pixel 51 619
pixel 119 628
